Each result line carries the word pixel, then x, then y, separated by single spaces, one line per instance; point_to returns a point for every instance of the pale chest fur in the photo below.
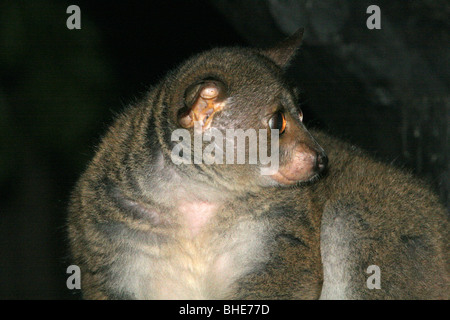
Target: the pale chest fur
pixel 203 259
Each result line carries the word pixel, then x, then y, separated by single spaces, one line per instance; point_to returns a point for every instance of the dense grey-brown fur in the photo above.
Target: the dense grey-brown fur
pixel 141 227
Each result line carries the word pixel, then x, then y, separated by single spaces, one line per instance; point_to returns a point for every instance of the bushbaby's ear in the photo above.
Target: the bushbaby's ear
pixel 284 51
pixel 202 101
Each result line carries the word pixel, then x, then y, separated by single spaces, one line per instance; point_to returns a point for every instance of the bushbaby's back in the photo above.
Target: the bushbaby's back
pixel 375 214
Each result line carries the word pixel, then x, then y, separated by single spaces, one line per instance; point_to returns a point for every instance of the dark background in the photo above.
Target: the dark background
pixel 385 90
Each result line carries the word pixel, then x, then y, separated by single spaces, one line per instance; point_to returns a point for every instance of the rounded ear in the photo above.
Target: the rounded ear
pixel 202 100
pixel 285 50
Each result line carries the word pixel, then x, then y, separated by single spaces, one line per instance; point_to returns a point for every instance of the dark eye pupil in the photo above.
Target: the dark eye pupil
pixel 277 122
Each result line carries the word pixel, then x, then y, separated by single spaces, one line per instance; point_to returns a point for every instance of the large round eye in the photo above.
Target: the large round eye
pixel 278 121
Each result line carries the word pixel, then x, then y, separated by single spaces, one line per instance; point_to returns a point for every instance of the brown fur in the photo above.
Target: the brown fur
pixel 374 214
pixel 142 227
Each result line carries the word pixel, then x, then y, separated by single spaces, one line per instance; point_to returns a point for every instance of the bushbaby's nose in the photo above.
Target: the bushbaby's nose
pixel 321 161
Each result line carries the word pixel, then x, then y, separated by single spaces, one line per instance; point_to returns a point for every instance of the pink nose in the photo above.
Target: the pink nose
pixel 304 164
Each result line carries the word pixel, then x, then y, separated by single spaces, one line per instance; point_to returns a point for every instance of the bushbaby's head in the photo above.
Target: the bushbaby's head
pixel 234 119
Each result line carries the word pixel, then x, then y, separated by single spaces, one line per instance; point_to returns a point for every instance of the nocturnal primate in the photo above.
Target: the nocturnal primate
pixel 143 227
